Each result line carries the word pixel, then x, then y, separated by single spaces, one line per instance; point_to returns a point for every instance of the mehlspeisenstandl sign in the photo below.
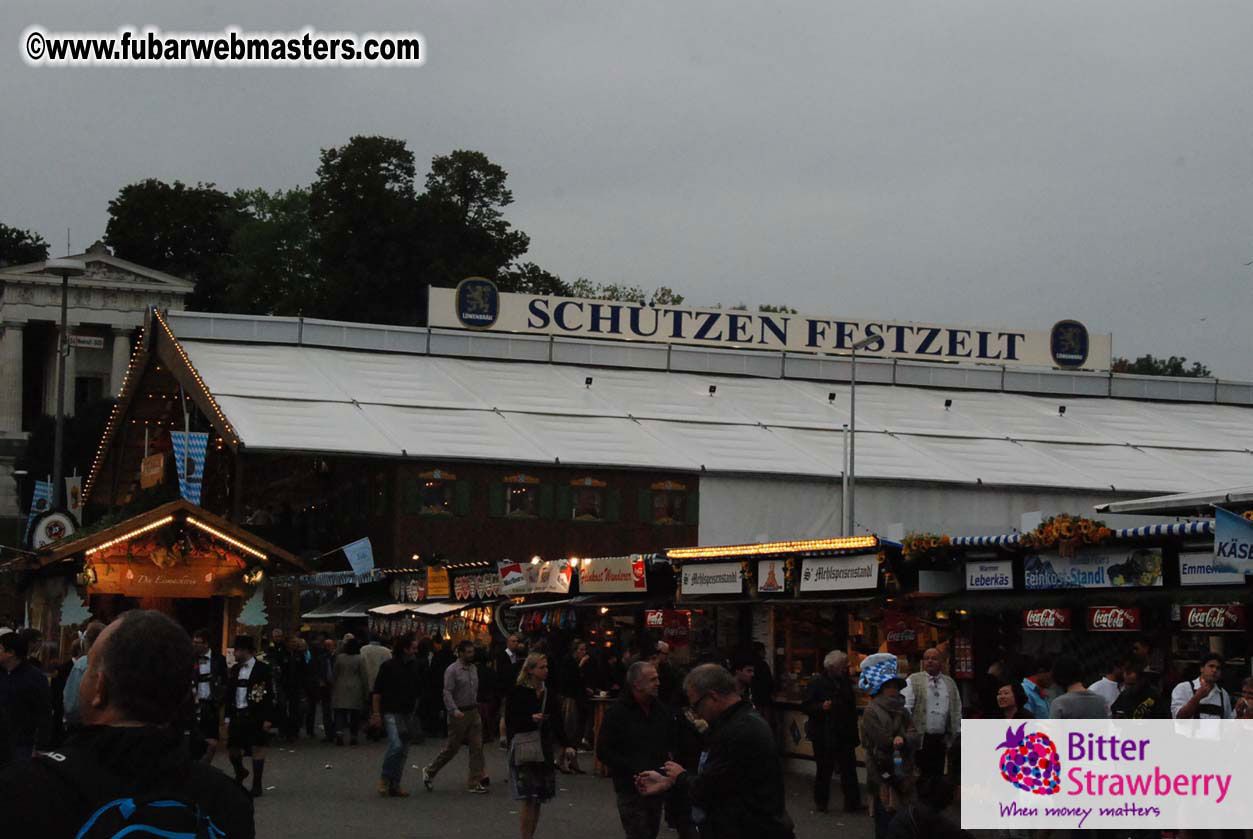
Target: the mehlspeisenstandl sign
pixel 1067 345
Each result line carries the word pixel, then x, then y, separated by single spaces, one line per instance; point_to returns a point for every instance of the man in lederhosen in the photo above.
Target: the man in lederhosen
pixel 249 711
pixel 210 676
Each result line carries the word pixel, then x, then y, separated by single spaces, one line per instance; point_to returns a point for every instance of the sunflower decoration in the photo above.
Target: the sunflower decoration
pixel 1066 533
pixel 918 545
pixel 1248 514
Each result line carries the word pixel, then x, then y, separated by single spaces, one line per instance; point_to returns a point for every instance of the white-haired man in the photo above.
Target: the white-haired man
pixel 832 729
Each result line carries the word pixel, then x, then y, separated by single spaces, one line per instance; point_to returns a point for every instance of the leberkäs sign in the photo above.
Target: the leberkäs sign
pixel 1068 344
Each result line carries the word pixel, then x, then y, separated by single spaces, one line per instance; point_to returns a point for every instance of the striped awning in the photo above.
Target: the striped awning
pixel 1190 528
pixel 985 541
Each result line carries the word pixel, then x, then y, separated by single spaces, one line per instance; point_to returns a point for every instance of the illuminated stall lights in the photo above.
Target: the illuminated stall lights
pixel 227 539
pixel 765 548
pixel 204 389
pixel 125 536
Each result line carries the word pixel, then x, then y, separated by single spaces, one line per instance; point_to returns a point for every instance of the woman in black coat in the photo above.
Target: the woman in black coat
pixel 531 706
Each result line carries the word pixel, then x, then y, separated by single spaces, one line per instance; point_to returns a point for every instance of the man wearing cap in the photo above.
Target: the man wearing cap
pixel 249 711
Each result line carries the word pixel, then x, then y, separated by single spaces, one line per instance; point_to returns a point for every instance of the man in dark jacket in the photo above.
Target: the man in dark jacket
pixel 638 734
pixel 24 696
pixel 394 699
pixel 832 729
pixel 1141 698
pixel 209 680
pixel 738 790
pixel 249 712
pixel 131 691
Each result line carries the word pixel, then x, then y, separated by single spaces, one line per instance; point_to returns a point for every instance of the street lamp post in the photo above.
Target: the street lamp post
pixel 66 268
pixel 850 496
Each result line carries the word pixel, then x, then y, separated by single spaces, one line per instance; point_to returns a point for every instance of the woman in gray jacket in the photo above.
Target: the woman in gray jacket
pixel 350 693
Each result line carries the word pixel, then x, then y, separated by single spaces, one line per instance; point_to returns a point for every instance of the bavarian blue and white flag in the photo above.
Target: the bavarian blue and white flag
pixel 190 448
pixel 360 555
pixel 40 503
pixel 1233 543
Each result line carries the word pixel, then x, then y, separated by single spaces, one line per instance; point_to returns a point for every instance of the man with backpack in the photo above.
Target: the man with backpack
pixel 127 772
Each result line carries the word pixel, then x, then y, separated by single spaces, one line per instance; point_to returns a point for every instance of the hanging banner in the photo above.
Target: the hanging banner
pixel 1226 618
pixel 1114 618
pixel 612 574
pixel 40 503
pixel 152 470
pixel 437 583
pixel 1137 568
pixel 1199 569
pixel 360 555
pixel 74 497
pixel 711 578
pixel 1046 619
pixel 990 576
pixel 512 576
pixel 771 576
pixel 477 304
pixel 840 573
pixel 190 449
pixel 475 586
pixel 1233 542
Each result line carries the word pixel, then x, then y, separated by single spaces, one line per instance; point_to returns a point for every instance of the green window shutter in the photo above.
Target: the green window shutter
pixel 461 497
pixel 565 502
pixel 546 501
pixel 693 508
pixel 496 500
pixel 613 505
pixel 411 495
pixel 644 506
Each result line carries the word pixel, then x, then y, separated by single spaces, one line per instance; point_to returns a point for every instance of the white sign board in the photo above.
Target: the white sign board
pixel 1135 568
pixel 478 305
pixel 990 576
pixel 1198 569
pixel 87 342
pixel 711 578
pixel 612 574
pixel 840 573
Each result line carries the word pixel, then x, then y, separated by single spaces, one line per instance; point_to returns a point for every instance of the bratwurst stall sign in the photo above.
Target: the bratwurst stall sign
pixel 1106 774
pixel 475 304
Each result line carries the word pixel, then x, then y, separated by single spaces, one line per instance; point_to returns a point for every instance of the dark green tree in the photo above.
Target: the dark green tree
pixel 529 278
pixel 273 269
pixel 362 210
pixel 1147 365
pixel 18 247
pixel 179 229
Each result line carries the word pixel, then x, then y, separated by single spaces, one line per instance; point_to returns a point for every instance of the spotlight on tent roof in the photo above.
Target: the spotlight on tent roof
pixel 948 403
pixel 831 396
pixel 587 382
pixel 713 389
pixel 1061 410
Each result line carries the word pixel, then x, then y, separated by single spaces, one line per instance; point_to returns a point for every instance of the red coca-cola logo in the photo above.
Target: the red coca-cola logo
pixel 1228 618
pixel 1114 618
pixel 902 635
pixel 1046 619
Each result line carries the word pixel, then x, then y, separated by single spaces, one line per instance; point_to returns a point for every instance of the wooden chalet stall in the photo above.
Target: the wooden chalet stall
pixel 176 558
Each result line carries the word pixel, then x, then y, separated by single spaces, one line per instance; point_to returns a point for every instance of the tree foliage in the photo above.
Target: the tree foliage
pixel 1147 365
pixel 18 247
pixel 272 268
pixel 179 229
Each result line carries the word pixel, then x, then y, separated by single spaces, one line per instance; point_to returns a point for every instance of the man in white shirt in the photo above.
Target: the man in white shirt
pixel 932 699
pixel 1202 697
pixel 1110 685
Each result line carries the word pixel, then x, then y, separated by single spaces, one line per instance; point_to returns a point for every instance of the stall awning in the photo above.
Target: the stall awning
pixel 1191 528
pixel 985 541
pixel 393 608
pixel 550 604
pixel 349 605
pixel 435 608
pixel 1183 503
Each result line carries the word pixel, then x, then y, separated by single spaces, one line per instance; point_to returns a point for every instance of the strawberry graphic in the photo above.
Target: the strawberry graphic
pixel 1030 761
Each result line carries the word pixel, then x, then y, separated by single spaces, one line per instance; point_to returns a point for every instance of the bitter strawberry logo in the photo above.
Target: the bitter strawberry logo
pixel 1030 761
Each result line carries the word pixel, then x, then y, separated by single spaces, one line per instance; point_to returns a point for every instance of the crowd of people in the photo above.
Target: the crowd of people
pixel 140 709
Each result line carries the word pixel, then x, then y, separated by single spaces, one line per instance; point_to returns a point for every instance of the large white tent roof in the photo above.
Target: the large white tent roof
pixel 295 397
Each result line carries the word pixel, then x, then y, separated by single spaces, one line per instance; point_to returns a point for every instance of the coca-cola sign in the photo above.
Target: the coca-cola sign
pixel 1046 619
pixel 1114 618
pixel 1228 618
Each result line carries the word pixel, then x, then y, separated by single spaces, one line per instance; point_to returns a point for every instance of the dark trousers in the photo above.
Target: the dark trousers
pixel 828 760
pixel 640 814
pixel 311 710
pixel 292 715
pixel 931 756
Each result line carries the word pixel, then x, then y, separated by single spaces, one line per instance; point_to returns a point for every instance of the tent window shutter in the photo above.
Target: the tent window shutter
pixel 461 491
pixel 644 506
pixel 496 500
pixel 565 503
pixel 613 505
pixel 546 501
pixel 693 508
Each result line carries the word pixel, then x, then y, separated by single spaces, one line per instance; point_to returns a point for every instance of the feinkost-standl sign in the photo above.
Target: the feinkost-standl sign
pixel 1107 774
pixel 473 305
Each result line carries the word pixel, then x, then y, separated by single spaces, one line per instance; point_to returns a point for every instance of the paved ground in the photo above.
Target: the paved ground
pixel 317 791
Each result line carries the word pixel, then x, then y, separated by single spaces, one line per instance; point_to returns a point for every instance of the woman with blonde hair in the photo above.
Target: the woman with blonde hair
pixel 533 714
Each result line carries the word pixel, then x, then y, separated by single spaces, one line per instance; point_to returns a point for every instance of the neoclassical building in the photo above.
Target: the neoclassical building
pixel 106 307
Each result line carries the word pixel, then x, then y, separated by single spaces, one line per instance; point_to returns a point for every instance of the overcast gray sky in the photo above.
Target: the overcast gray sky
pixel 992 163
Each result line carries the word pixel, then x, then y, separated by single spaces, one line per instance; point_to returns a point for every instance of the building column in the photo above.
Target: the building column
pixel 50 375
pixel 121 360
pixel 11 377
